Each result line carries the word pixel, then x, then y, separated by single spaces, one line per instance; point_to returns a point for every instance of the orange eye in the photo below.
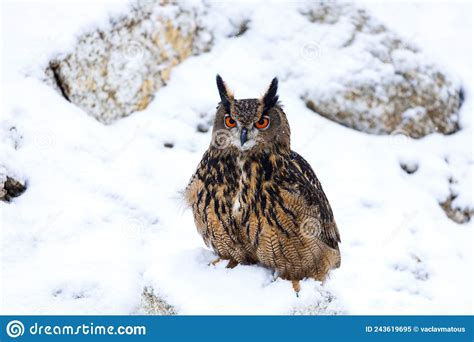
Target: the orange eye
pixel 229 122
pixel 263 122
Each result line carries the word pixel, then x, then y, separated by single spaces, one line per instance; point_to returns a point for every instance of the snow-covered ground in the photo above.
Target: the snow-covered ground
pixel 103 216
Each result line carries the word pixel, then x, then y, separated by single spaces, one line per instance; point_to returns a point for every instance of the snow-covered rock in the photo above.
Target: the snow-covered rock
pixel 457 214
pixel 116 71
pixel 391 87
pixel 9 187
pixel 456 210
pixel 153 304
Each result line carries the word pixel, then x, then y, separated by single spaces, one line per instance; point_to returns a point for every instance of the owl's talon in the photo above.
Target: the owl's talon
pixel 296 287
pixel 232 263
pixel 213 263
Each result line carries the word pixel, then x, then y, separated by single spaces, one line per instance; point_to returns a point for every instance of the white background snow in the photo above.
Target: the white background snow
pixel 102 216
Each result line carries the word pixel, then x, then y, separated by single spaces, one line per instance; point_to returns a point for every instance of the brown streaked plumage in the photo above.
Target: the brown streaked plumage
pixel 254 200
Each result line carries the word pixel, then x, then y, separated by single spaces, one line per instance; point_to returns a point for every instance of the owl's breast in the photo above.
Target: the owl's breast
pixel 236 205
pixel 249 197
pixel 237 200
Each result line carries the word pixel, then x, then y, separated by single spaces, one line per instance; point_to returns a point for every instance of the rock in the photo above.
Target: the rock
pixel 457 214
pixel 202 128
pixel 112 73
pixel 322 303
pixel 10 188
pixel 393 86
pixel 390 86
pixel 409 167
pixel 152 304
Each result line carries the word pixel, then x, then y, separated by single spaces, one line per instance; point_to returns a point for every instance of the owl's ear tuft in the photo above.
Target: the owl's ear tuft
pixel 271 98
pixel 224 93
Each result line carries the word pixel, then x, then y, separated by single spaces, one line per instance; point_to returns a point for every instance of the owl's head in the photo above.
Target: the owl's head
pixel 250 124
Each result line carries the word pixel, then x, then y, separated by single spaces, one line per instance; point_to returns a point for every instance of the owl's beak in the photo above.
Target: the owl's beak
pixel 243 136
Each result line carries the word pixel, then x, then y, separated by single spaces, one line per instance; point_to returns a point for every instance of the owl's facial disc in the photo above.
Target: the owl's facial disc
pixel 251 124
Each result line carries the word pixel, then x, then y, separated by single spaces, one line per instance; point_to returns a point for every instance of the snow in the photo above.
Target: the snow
pixel 103 215
pixel 414 113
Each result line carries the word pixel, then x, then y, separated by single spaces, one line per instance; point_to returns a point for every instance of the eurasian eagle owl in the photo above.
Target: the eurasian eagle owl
pixel 254 200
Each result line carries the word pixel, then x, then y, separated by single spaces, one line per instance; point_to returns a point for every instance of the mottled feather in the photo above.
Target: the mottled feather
pixel 262 202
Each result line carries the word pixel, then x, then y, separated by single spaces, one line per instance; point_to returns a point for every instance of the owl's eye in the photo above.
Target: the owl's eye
pixel 263 122
pixel 229 122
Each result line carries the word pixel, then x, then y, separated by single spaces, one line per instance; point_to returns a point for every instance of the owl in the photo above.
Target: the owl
pixel 254 200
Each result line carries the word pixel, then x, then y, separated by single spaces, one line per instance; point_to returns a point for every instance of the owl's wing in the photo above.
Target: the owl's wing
pixel 193 196
pixel 317 204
